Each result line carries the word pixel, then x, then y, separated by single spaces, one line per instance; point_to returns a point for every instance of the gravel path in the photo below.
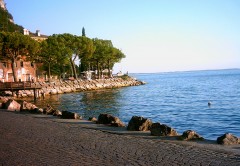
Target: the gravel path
pixel 28 140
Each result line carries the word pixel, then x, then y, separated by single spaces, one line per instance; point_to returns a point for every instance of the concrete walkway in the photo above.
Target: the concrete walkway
pixel 27 139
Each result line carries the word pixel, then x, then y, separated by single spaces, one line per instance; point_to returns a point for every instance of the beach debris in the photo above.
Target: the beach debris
pixel 191 135
pixel 110 120
pixel 70 115
pixel 158 129
pixel 92 119
pixel 12 105
pixel 138 123
pixel 228 139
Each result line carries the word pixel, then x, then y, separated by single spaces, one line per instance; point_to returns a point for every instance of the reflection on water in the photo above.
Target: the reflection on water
pixel 88 104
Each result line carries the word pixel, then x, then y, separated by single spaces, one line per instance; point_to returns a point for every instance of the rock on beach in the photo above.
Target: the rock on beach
pixel 110 120
pixel 12 105
pixel 228 139
pixel 191 135
pixel 70 115
pixel 138 123
pixel 158 129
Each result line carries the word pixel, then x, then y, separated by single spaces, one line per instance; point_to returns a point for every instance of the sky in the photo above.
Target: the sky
pixel 155 35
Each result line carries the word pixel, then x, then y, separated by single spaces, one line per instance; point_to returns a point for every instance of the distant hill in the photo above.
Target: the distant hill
pixel 6 20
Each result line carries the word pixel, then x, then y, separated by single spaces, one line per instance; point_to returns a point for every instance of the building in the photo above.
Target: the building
pixel 26 71
pixel 36 36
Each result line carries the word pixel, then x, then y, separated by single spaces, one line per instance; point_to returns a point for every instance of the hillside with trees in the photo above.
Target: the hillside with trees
pixel 58 53
pixel 6 22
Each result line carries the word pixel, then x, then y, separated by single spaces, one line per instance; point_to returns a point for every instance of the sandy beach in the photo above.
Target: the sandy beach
pixel 27 139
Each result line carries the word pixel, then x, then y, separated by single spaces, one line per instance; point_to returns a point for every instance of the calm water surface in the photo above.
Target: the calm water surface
pixel 178 99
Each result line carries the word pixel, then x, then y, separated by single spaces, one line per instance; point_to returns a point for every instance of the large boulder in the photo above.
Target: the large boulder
pixel 12 105
pixel 70 115
pixel 228 139
pixel 25 106
pixel 190 135
pixel 158 129
pixel 138 123
pixel 110 120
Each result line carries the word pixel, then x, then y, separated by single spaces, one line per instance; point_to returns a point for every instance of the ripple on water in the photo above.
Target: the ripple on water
pixel 179 100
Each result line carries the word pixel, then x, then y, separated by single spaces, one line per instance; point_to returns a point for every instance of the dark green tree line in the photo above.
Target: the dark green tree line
pixel 59 52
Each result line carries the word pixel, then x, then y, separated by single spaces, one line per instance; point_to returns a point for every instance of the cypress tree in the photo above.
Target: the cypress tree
pixel 83 32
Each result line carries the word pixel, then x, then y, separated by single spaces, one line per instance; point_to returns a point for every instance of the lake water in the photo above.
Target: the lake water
pixel 178 99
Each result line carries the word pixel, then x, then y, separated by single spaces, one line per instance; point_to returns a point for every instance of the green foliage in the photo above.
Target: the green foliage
pixel 6 25
pixel 83 32
pixel 79 47
pixel 59 52
pixel 53 55
pixel 16 45
pixel 104 56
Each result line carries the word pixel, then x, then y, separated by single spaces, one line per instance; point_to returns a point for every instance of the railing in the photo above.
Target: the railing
pixel 15 85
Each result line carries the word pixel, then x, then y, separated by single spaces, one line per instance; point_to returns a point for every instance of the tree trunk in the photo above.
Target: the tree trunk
pixel 73 68
pixel 49 71
pixel 98 70
pixel 13 70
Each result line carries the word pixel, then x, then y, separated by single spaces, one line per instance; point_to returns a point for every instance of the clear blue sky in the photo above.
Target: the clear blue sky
pixel 155 35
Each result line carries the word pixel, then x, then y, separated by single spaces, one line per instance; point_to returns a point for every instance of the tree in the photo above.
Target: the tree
pixel 115 55
pixel 15 46
pixel 78 47
pixel 83 32
pixel 53 54
pixel 105 55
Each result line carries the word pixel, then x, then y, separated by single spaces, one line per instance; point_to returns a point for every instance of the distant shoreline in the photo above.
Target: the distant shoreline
pixel 185 71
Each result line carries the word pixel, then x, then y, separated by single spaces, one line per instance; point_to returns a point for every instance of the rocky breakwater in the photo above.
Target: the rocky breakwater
pixel 59 87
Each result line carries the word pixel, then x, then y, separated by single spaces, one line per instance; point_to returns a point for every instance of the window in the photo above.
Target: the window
pixel 21 63
pixel 32 64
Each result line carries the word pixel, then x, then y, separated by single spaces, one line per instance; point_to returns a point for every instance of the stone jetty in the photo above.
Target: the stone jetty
pixel 68 86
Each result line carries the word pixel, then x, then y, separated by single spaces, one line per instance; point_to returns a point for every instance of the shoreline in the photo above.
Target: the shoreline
pixel 24 107
pixel 41 139
pixel 69 86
